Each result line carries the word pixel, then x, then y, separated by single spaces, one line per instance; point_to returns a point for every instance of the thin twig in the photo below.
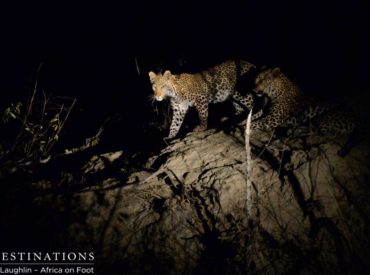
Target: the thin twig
pixel 62 124
pixel 25 119
pixel 40 128
pixel 137 66
pixel 267 144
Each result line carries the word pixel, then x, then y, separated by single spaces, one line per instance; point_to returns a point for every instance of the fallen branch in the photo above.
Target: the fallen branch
pixel 249 160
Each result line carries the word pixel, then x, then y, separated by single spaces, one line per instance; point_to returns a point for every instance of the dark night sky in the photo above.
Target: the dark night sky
pixel 88 49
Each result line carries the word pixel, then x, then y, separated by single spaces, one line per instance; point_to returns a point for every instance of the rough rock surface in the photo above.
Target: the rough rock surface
pixel 186 213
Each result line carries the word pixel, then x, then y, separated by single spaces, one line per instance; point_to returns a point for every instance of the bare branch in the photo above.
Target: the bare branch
pixel 249 160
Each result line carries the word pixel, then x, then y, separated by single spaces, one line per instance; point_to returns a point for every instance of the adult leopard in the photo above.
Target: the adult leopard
pixel 214 85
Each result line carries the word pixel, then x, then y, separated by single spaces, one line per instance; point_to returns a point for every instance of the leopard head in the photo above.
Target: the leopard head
pixel 267 82
pixel 162 85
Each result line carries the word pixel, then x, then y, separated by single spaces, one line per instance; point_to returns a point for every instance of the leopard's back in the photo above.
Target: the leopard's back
pixel 221 79
pixel 216 84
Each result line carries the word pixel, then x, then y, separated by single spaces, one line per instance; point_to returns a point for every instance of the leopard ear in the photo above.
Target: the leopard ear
pixel 167 74
pixel 276 72
pixel 263 67
pixel 152 75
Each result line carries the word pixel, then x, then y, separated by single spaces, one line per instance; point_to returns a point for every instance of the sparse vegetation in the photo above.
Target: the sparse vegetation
pixel 33 129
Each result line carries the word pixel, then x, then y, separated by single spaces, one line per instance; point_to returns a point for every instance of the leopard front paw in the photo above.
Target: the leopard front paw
pixel 170 136
pixel 200 128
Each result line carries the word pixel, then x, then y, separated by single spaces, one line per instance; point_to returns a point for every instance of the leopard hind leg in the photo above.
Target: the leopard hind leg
pixel 336 123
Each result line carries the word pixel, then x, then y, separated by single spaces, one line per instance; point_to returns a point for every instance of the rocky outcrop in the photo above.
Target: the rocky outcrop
pixel 186 211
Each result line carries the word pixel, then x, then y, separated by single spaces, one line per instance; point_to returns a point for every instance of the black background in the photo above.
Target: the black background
pixel 88 50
